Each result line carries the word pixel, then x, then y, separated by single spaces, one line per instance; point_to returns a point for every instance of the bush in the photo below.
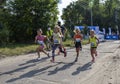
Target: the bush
pixel 4 36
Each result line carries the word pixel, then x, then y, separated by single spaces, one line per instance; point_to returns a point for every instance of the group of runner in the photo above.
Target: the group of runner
pixel 55 39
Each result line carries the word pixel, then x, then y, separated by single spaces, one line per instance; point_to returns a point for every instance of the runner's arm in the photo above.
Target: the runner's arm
pixel 81 37
pixel 74 39
pixel 88 40
pixel 36 39
pixel 97 41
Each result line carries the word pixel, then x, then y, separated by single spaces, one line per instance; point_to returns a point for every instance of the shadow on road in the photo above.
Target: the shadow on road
pixel 32 73
pixel 25 66
pixel 18 69
pixel 64 67
pixel 85 67
pixel 43 70
pixel 35 61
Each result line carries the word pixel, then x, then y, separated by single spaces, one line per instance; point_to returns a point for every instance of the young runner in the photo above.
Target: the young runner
pixel 40 40
pixel 63 30
pixel 94 41
pixel 61 42
pixel 77 40
pixel 56 38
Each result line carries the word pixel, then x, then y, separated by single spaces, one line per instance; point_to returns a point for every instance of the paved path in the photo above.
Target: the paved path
pixel 26 69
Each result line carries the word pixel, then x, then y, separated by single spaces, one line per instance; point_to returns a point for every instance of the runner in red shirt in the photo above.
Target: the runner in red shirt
pixel 77 40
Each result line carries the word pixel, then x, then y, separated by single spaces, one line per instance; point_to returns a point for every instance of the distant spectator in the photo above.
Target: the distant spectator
pixel 63 29
pixel 49 38
pixel 49 33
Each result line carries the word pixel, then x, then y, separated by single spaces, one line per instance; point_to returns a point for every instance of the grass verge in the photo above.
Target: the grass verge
pixel 16 49
pixel 19 49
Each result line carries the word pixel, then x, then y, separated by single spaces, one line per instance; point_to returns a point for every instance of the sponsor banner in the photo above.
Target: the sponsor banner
pixel 95 28
pixel 79 27
pixel 112 37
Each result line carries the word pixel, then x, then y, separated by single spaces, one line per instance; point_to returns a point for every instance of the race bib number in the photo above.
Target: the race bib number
pixel 78 40
pixel 56 41
pixel 41 42
pixel 92 44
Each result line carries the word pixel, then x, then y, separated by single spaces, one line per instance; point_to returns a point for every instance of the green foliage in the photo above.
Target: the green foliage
pixel 79 13
pixel 24 17
pixel 4 36
pixel 17 49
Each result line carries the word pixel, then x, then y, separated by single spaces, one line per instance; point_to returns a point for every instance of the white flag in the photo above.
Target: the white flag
pixel 104 31
pixel 110 32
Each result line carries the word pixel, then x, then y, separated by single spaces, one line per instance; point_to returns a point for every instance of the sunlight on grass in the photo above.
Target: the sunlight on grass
pixel 70 43
pixel 19 49
pixel 11 50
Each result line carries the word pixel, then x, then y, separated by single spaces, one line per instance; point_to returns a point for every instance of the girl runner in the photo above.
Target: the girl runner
pixel 77 40
pixel 94 41
pixel 61 40
pixel 40 40
pixel 56 38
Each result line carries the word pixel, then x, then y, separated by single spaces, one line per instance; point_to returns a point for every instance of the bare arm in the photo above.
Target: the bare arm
pixel 81 37
pixel 46 38
pixel 97 41
pixel 60 35
pixel 74 39
pixel 88 40
pixel 36 39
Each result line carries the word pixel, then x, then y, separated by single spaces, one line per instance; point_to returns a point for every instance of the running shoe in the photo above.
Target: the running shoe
pixel 65 54
pixel 76 59
pixel 52 61
pixel 48 55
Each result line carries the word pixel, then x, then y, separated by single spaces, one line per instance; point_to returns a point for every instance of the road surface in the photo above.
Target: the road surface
pixel 26 69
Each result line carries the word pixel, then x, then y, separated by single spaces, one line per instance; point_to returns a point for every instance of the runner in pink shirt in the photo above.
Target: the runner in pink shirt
pixel 40 40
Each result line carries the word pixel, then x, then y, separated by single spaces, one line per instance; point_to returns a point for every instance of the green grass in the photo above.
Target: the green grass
pixel 85 42
pixel 70 43
pixel 19 49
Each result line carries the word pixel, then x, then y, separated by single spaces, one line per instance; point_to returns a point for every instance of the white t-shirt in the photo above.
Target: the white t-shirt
pixel 56 38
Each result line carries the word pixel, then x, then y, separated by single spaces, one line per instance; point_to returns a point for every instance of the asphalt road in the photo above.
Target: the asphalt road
pixel 26 69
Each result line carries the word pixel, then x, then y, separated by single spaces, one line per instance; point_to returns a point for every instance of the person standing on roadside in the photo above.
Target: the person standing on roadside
pixel 49 34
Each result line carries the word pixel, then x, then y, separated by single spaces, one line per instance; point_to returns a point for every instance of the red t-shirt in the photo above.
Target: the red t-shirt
pixel 78 37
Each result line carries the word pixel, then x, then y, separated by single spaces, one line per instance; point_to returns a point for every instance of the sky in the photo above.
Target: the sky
pixel 61 5
pixel 64 4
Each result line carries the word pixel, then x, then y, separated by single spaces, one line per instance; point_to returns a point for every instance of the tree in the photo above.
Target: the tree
pixel 76 13
pixel 24 17
pixel 1 1
pixel 104 14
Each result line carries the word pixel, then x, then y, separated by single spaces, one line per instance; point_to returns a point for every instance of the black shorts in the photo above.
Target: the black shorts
pixel 78 45
pixel 93 47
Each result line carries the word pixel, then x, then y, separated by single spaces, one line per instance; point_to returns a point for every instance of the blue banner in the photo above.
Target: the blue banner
pixel 108 37
pixel 95 28
pixel 112 37
pixel 115 37
pixel 91 27
pixel 79 27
